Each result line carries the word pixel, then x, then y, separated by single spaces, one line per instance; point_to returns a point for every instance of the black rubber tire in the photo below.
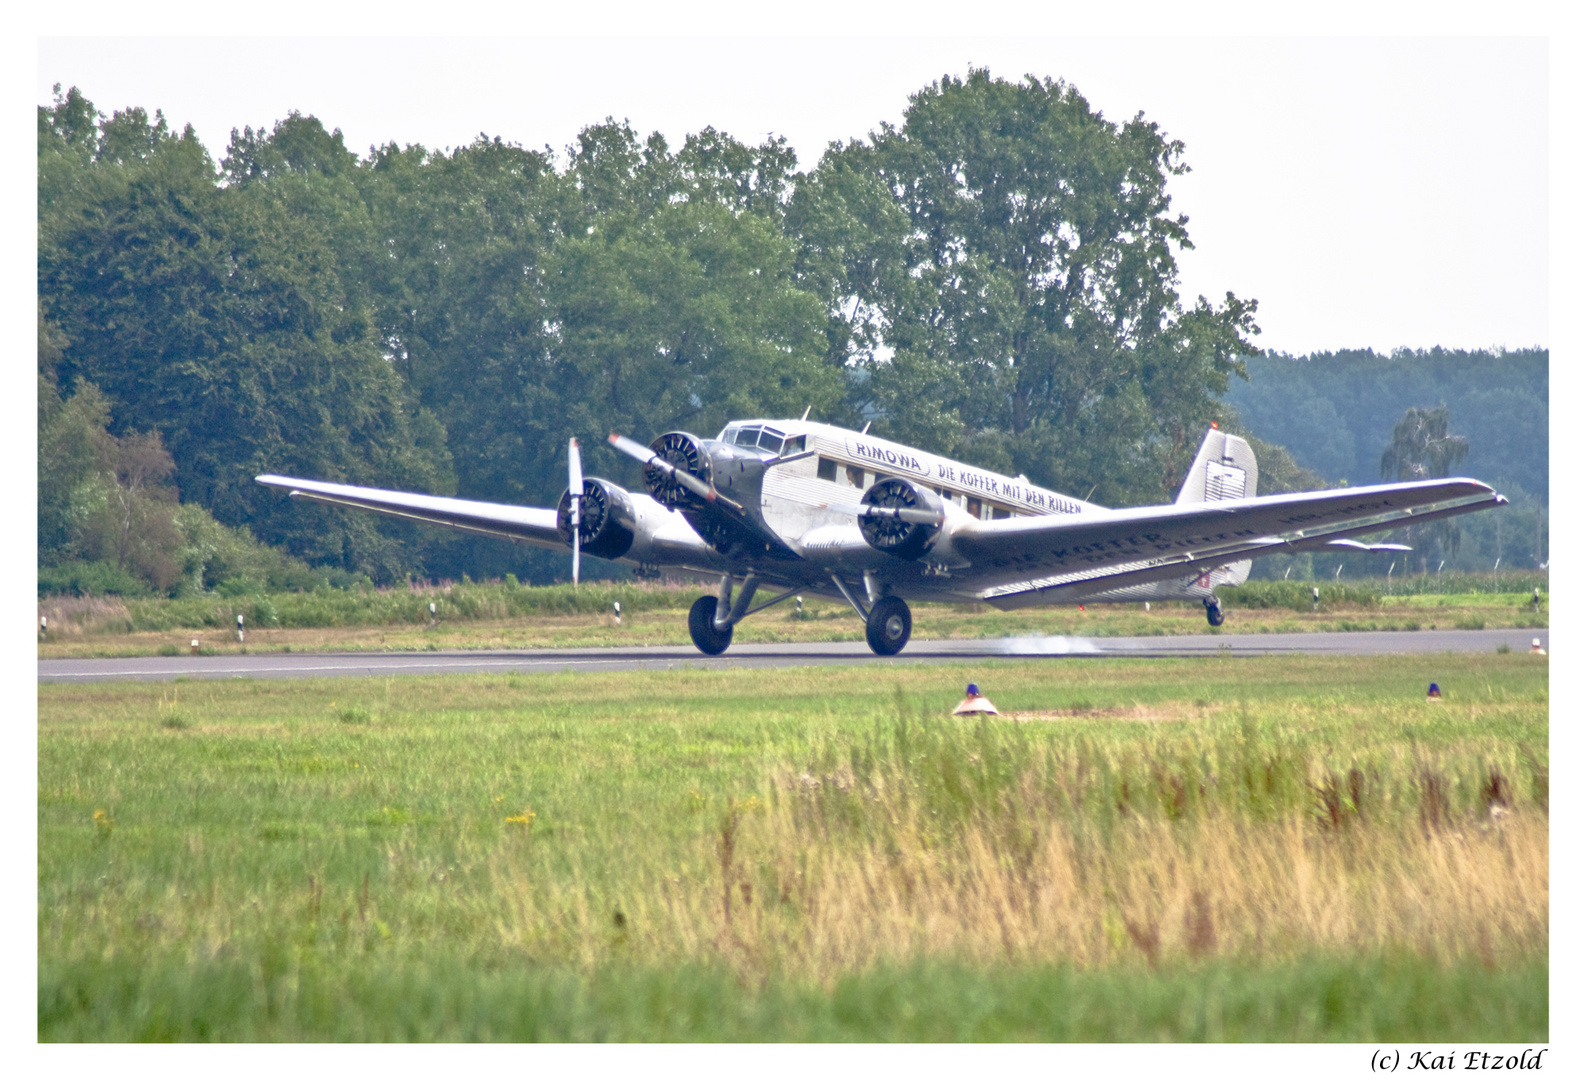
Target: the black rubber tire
pixel 888 626
pixel 1215 612
pixel 703 630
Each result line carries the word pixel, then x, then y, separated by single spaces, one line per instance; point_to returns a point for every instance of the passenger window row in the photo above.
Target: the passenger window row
pixel 830 470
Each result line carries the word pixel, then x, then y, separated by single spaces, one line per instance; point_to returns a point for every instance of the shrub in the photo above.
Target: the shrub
pixel 1297 595
pixel 89 579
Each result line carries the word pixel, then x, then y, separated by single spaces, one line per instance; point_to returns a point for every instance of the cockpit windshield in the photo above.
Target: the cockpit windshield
pixel 753 437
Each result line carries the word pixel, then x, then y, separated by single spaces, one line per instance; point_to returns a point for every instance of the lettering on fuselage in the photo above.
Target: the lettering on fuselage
pixel 1012 490
pixel 950 473
pixel 883 456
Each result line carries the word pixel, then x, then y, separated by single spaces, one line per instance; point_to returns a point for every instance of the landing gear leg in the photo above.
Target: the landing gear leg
pixel 712 618
pixel 888 626
pixel 1215 611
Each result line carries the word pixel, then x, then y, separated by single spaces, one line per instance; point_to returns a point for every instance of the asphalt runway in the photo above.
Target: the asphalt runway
pixel 662 658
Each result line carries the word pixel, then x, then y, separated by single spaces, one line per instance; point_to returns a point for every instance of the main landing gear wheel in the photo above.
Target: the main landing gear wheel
pixel 888 626
pixel 703 628
pixel 1215 611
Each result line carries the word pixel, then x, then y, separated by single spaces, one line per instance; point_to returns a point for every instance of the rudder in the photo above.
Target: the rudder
pixel 1224 468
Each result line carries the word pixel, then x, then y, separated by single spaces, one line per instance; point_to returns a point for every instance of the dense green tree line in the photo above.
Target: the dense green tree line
pixel 108 515
pixel 228 319
pixel 994 279
pixel 1336 411
pixel 1362 417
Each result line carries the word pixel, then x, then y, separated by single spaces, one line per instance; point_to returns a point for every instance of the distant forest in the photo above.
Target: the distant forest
pixel 993 279
pixel 1334 412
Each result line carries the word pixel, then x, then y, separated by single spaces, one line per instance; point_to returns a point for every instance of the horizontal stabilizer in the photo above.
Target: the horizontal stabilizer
pixel 1357 545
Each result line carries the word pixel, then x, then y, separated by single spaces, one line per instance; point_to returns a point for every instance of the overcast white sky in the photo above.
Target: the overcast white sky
pixel 1368 192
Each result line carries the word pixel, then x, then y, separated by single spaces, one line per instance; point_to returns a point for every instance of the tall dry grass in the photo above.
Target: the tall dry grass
pixel 892 859
pixel 76 616
pixel 1158 892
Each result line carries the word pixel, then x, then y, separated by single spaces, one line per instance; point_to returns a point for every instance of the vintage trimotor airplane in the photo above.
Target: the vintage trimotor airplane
pixel 805 507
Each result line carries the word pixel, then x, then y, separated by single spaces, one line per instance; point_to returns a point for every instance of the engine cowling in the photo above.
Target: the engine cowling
pixel 683 451
pixel 904 539
pixel 607 521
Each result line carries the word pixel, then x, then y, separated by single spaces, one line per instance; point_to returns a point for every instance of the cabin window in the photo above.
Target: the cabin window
pixel 972 507
pixel 795 445
pixel 826 469
pixel 997 512
pixel 748 437
pixel 771 439
pixel 856 478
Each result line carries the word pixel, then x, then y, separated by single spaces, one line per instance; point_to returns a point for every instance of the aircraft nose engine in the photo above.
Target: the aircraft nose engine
pixel 683 451
pixel 905 539
pixel 606 519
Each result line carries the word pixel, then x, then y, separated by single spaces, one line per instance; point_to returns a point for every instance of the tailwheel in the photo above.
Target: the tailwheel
pixel 888 626
pixel 703 628
pixel 1215 611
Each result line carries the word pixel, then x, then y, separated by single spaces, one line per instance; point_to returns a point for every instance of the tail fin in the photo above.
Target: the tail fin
pixel 1225 468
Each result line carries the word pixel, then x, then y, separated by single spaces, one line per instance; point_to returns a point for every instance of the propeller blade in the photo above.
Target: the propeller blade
pixel 645 455
pixel 633 449
pixel 575 498
pixel 900 513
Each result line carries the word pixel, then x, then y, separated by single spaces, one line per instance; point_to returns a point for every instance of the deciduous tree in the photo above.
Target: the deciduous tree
pixel 1034 302
pixel 236 323
pixel 1421 447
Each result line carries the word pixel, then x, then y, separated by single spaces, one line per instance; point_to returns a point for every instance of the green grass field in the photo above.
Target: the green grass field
pixel 509 616
pixel 1278 848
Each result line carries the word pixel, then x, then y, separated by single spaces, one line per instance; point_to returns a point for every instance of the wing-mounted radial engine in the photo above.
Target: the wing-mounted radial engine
pixel 901 517
pixel 715 486
pixel 607 521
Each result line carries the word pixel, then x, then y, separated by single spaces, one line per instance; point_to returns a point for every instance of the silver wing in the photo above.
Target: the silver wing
pixel 654 535
pixel 491 519
pixel 1011 562
pixel 1015 562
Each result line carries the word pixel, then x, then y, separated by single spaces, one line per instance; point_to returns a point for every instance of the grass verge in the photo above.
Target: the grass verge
pixel 505 616
pixel 1328 999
